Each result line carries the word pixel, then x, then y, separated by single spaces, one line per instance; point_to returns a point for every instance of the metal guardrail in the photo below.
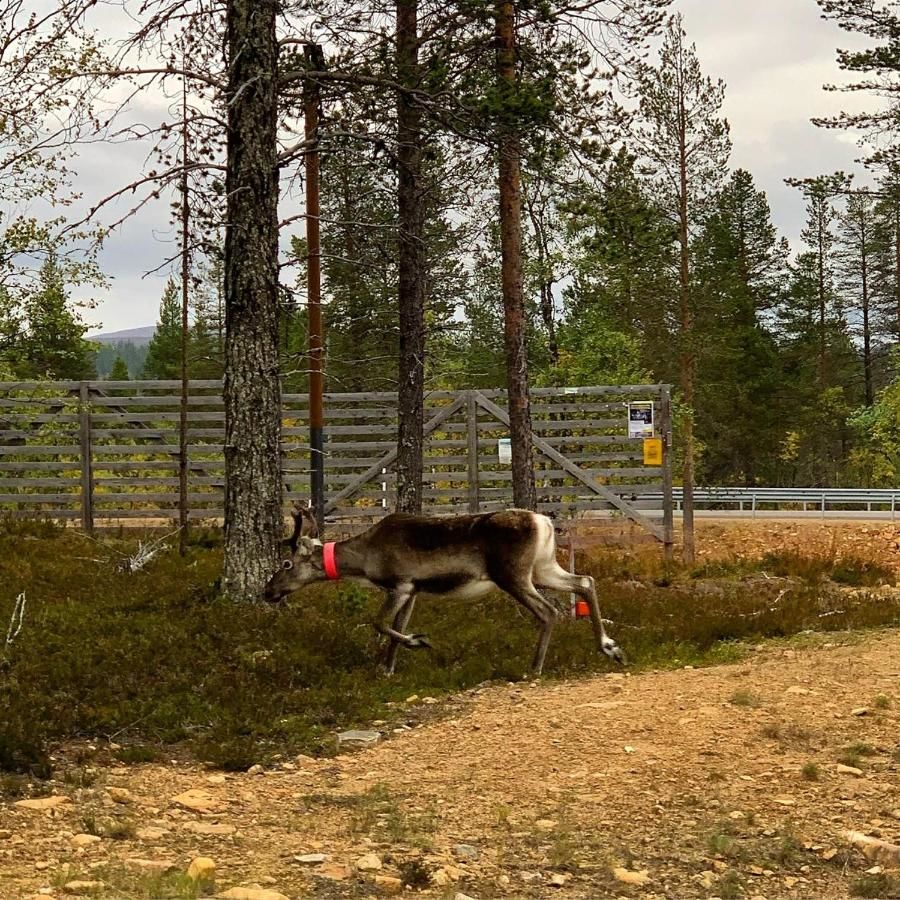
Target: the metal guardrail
pixel 753 499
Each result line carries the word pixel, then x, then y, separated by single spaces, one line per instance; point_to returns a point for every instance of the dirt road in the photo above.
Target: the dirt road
pixel 719 782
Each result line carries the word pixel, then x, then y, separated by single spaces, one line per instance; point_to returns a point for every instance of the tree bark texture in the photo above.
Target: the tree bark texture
pixel 411 201
pixel 510 188
pixel 252 393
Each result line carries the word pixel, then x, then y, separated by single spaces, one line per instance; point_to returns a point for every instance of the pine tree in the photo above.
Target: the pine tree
pixel 164 350
pixel 119 371
pixel 53 344
pixel 682 133
pixel 740 275
pixel 880 67
pixel 621 244
pixel 855 267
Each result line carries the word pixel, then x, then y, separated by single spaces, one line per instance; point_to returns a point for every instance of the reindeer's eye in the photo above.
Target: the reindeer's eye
pixel 287 564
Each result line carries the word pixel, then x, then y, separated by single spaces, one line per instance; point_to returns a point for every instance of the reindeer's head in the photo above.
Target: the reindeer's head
pixel 304 566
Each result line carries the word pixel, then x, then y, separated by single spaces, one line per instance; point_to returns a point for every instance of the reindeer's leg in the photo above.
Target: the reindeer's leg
pixel 555 577
pixel 390 611
pixel 401 621
pixel 528 596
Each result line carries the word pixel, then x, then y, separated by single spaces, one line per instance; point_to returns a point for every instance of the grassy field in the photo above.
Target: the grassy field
pixel 156 661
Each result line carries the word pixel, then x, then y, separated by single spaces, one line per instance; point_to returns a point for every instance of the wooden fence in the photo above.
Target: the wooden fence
pixel 106 451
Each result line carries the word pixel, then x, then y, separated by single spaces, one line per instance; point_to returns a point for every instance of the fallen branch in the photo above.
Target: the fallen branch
pixel 15 622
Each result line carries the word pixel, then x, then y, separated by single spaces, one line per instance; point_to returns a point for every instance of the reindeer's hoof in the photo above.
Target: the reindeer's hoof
pixel 418 641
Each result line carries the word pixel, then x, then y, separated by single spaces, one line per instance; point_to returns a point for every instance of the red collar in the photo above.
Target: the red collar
pixel 331 570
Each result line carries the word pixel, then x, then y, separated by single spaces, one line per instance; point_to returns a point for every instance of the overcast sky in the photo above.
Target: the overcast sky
pixel 774 56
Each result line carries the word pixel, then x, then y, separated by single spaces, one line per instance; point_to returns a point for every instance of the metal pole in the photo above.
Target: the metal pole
pixel 185 273
pixel 668 502
pixel 315 61
pixel 87 474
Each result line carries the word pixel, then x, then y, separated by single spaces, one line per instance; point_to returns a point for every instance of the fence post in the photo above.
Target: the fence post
pixel 666 434
pixel 87 474
pixel 472 435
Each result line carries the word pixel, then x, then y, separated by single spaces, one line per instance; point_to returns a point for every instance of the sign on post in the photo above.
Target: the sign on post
pixel 640 419
pixel 504 450
pixel 653 451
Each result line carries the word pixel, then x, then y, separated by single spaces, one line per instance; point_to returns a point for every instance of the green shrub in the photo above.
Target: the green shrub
pixel 157 657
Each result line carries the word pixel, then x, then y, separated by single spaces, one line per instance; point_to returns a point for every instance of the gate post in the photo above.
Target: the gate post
pixel 666 429
pixel 472 435
pixel 87 474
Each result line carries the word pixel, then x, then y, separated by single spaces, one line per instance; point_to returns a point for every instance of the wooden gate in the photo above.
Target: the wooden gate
pixel 106 451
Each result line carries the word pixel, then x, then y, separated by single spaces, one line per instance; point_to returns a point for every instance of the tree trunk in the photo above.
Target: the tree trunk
pixel 867 327
pixel 510 184
pixel 688 362
pixel 411 223
pixel 253 499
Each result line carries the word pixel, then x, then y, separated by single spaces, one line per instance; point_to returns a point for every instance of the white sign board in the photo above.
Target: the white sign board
pixel 504 450
pixel 640 419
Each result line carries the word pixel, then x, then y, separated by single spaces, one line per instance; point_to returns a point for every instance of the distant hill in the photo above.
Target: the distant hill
pixel 137 336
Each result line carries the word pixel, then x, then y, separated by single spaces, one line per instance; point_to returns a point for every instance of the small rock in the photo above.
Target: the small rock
pixel 784 800
pixel 43 802
pixel 216 779
pixel 440 878
pixel 42 866
pixel 796 689
pixel 152 866
pixel 371 862
pixel 83 887
pixel 362 738
pixel 334 872
pixel 311 859
pixel 430 700
pixel 246 893
pixel 466 851
pixel 829 854
pixel 874 849
pixel 639 879
pixel 412 698
pixel 875 870
pixel 121 795
pixel 545 824
pixel 859 711
pixel 5 834
pixel 152 833
pixel 459 895
pixel 849 770
pixel 196 800
pixel 209 828
pixel 557 880
pixel 256 770
pixel 85 840
pixel 202 868
pixel 737 815
pixel 389 884
pixel 503 880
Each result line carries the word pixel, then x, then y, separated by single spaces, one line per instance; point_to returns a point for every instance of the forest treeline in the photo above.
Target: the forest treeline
pixel 512 193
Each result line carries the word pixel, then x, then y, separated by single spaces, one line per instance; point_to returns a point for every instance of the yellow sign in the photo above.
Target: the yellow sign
pixel 653 451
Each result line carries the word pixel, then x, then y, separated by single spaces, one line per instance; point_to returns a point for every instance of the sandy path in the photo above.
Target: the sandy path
pixel 692 775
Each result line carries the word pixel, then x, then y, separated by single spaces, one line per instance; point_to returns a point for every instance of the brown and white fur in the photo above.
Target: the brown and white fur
pixel 458 557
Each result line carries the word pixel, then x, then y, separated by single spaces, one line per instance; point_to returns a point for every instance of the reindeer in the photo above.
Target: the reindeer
pixel 454 557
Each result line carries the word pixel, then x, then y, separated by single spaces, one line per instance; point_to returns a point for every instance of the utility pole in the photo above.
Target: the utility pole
pixel 185 274
pixel 315 62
